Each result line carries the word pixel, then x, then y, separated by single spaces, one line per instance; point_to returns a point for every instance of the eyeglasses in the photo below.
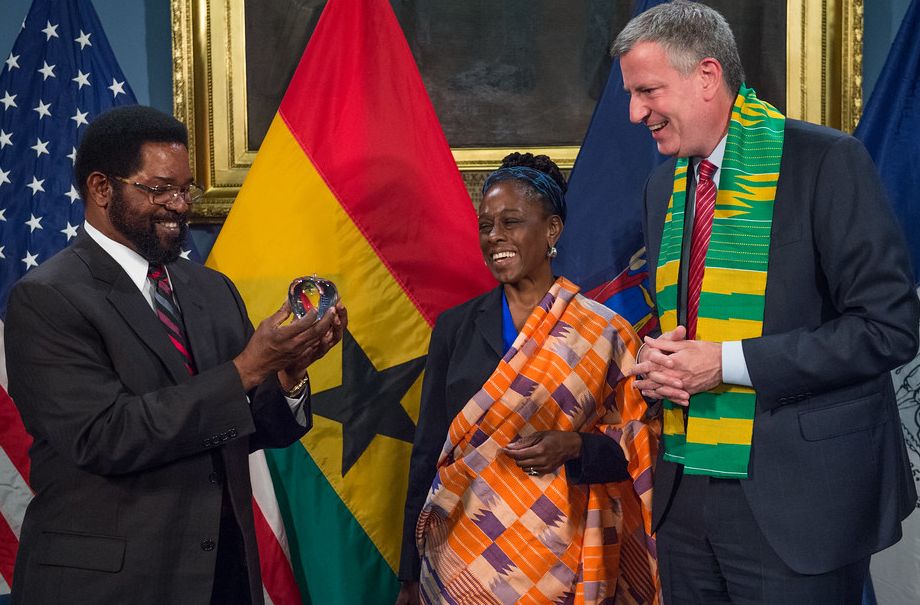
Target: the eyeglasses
pixel 164 195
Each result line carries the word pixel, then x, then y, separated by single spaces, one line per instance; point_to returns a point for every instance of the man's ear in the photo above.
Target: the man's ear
pixel 98 190
pixel 710 73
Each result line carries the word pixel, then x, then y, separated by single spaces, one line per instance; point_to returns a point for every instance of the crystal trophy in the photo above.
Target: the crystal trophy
pixel 312 294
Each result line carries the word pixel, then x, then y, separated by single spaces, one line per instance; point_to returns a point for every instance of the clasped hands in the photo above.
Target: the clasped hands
pixel 288 348
pixel 543 452
pixel 671 367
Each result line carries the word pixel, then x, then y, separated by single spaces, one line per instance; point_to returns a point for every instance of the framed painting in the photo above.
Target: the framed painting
pixel 509 76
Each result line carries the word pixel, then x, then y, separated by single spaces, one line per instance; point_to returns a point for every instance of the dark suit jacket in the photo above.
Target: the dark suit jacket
pixel 127 488
pixel 829 479
pixel 466 346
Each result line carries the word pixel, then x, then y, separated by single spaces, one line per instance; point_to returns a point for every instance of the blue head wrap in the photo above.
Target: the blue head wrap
pixel 542 182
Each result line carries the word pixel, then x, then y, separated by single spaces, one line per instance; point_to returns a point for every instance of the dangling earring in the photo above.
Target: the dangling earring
pixel 552 252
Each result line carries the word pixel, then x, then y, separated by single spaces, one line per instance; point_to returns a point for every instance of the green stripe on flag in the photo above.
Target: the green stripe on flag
pixel 327 544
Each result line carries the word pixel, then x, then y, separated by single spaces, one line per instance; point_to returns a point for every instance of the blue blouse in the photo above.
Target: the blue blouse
pixel 509 333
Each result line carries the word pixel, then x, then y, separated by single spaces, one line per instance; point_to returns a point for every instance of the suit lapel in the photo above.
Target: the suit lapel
pixel 489 321
pixel 129 303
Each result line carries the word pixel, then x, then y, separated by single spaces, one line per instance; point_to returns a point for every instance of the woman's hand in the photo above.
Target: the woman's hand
pixel 545 451
pixel 408 594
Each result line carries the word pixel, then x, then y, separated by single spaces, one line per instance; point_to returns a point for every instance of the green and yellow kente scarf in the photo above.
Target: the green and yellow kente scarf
pixel 713 436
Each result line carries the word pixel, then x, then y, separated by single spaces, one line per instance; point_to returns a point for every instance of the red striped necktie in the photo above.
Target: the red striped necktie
pixel 168 312
pixel 699 242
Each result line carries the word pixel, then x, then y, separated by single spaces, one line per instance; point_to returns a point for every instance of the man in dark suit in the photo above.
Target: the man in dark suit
pixel 144 386
pixel 825 482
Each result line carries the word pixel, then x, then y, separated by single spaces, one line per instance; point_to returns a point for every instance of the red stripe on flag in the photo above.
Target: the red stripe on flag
pixel 8 547
pixel 387 127
pixel 277 575
pixel 14 439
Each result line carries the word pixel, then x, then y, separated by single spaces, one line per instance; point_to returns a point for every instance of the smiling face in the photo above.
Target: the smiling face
pixel 686 114
pixel 515 233
pixel 126 214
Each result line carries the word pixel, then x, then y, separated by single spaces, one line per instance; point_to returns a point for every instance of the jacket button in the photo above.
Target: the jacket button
pixel 214 477
pixel 207 545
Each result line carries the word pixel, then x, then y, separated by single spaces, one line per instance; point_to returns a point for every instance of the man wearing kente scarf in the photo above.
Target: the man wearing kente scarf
pixel 784 294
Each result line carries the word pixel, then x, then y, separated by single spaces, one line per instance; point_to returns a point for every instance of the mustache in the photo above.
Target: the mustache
pixel 172 215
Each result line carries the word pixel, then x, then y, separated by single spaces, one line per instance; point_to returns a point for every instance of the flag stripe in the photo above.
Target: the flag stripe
pixel 15 496
pixel 277 575
pixel 371 116
pixel 319 522
pixel 9 543
pixel 14 439
pixel 274 557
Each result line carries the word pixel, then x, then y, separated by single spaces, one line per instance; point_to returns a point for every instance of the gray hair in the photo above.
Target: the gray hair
pixel 689 32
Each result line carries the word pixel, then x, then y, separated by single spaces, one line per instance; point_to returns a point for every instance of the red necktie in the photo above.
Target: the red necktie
pixel 699 242
pixel 168 313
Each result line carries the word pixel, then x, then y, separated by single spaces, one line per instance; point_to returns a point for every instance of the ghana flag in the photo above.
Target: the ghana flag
pixel 355 182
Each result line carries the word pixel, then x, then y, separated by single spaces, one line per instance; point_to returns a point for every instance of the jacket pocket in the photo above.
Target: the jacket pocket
pixel 81 551
pixel 842 418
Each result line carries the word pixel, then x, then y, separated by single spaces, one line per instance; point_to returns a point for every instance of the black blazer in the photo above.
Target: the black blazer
pixel 127 490
pixel 829 477
pixel 466 346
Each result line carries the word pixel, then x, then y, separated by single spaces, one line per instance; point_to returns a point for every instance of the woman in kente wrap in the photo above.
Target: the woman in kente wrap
pixel 530 477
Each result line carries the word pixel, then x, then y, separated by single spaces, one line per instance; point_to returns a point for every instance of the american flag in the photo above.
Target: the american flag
pixel 60 74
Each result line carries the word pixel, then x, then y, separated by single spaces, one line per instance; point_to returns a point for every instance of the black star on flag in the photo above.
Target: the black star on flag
pixel 367 403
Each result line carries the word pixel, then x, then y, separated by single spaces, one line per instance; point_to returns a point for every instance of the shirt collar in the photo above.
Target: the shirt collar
pixel 716 157
pixel 133 263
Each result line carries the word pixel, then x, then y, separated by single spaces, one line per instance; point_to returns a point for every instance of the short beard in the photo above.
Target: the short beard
pixel 141 231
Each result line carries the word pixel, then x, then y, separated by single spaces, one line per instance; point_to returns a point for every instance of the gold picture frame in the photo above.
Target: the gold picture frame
pixel 823 85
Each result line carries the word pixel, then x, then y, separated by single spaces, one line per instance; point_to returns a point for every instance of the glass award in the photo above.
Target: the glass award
pixel 312 294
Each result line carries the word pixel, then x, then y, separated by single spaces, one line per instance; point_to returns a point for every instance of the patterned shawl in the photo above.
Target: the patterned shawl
pixel 719 423
pixel 488 532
